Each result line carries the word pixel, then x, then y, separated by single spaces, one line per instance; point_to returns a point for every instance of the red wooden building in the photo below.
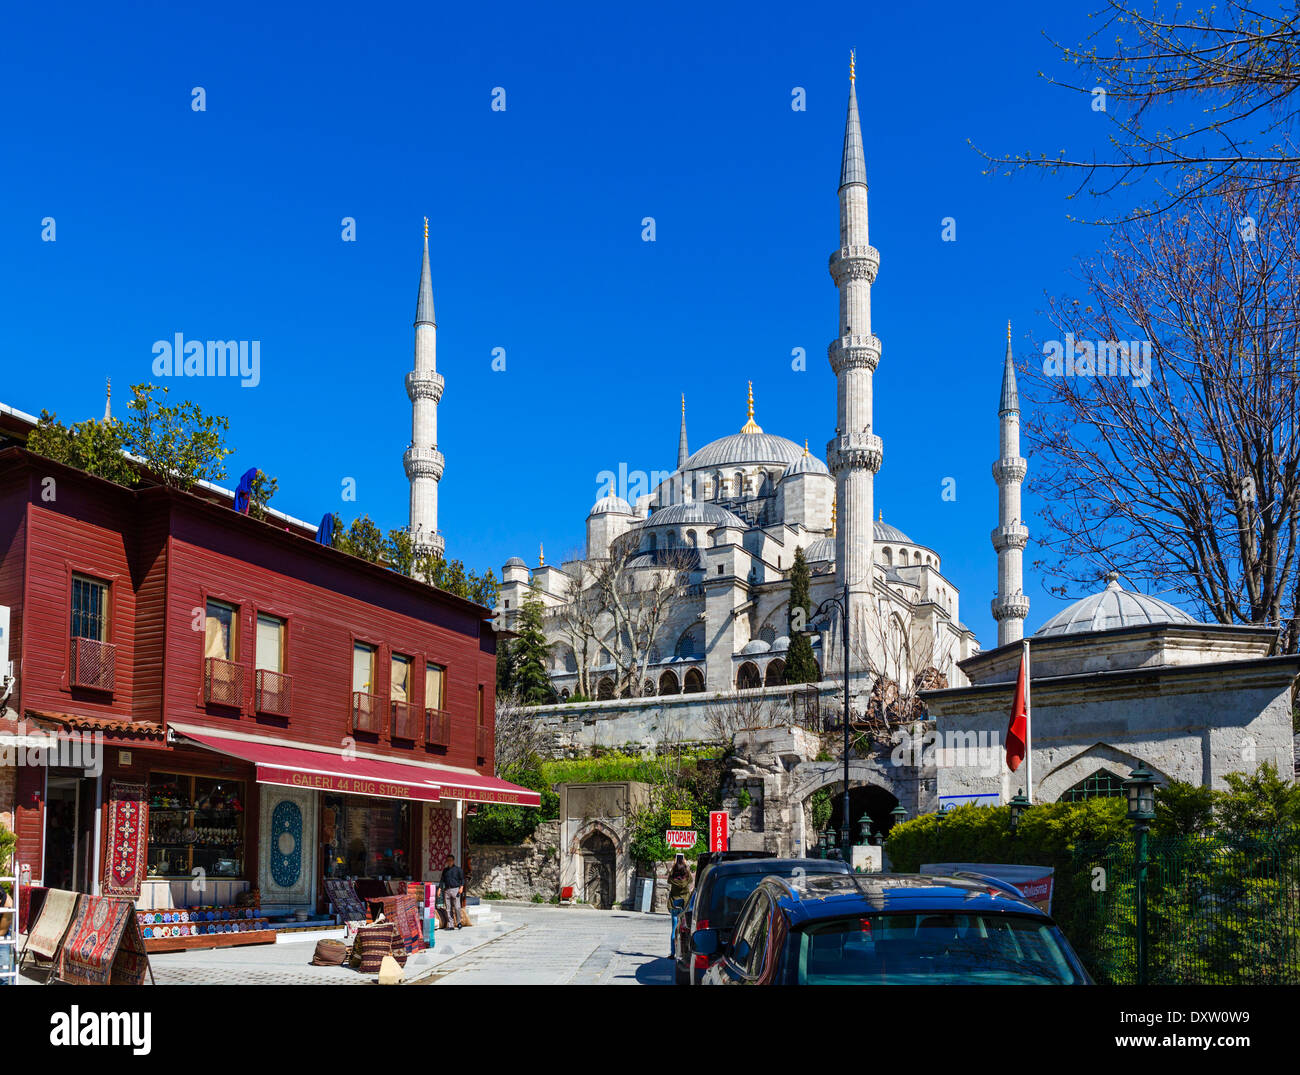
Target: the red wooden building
pixel 293 713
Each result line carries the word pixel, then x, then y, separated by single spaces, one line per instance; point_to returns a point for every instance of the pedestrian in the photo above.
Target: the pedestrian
pixel 679 887
pixel 453 884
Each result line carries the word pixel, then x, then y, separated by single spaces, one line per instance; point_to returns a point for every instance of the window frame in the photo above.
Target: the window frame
pixel 111 610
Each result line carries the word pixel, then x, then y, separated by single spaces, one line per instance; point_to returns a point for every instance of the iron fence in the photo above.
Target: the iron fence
pixel 1220 910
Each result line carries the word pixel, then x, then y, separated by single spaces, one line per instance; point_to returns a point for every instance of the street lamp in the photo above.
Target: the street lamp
pixel 1018 805
pixel 842 603
pixel 898 814
pixel 1141 790
pixel 864 829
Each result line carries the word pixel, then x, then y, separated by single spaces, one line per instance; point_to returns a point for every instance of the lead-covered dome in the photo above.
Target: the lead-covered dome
pixel 746 449
pixel 806 464
pixel 610 504
pixel 1112 608
pixel 695 513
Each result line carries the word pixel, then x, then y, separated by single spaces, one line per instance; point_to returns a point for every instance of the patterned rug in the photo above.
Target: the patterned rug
pixel 406 917
pixel 128 831
pixel 104 945
pixel 52 923
pixel 439 839
pixel 343 896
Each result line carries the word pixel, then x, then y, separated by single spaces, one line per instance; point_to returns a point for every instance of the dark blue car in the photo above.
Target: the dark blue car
pixel 889 929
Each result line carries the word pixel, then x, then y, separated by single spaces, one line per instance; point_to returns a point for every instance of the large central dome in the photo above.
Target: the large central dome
pixel 745 448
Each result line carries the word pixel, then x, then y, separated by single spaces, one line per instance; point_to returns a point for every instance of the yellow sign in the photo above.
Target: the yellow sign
pixel 680 817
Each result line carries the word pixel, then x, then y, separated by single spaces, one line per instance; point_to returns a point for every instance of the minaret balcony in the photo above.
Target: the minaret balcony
pixel 855 451
pixel 857 262
pixel 1007 471
pixel 428 544
pixel 854 353
pixel 1010 607
pixel 424 386
pixel 423 463
pixel 1011 536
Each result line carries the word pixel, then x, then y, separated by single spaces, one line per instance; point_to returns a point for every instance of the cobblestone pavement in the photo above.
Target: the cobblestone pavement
pixel 567 946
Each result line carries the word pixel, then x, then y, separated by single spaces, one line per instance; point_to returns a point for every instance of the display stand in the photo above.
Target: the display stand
pixel 9 939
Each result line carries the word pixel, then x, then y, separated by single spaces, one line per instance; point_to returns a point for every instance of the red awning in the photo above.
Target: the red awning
pixel 458 784
pixel 300 766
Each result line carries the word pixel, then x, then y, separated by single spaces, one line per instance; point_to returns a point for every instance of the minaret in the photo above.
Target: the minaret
pixel 855 454
pixel 422 460
pixel 683 453
pixel 1011 606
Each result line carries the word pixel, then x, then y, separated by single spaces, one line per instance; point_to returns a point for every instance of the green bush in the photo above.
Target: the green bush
pixel 494 895
pixel 538 898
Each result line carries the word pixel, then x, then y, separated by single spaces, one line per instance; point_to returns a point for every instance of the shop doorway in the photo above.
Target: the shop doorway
pixel 70 803
pixel 598 870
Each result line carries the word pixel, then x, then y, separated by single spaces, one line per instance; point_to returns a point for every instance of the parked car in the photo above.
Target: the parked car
pixel 721 891
pixel 889 929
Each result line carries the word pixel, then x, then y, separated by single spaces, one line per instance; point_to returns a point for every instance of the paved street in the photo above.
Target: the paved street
pixel 567 946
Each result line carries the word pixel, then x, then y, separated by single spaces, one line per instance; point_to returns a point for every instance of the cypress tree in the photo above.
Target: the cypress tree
pixel 529 654
pixel 800 665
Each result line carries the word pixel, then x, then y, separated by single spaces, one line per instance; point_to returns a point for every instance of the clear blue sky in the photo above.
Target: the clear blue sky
pixel 226 224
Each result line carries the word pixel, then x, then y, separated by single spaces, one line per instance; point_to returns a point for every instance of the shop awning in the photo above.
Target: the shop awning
pixel 470 786
pixel 299 766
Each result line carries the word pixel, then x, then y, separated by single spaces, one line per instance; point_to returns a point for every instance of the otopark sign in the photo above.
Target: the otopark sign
pixel 719 830
pixel 682 839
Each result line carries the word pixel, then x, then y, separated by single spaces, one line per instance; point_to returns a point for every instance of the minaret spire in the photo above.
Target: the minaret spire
pixel 423 461
pixel 1011 606
pixel 855 454
pixel 108 400
pixel 683 453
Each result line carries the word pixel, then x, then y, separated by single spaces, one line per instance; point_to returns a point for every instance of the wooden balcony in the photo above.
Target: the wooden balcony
pixel 367 712
pixel 437 727
pixel 404 721
pixel 223 683
pixel 272 692
pixel 94 664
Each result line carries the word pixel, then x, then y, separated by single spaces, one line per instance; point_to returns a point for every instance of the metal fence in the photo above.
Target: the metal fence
pixel 1219 910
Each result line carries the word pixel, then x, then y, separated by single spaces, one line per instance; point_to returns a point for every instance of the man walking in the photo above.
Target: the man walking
pixel 453 884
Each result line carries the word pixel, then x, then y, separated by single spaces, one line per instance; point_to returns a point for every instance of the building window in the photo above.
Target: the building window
pixel 363 667
pixel 195 823
pixel 270 643
pixel 404 722
pixel 365 837
pixel 1102 784
pixel 365 705
pixel 219 631
pixel 271 685
pixel 435 685
pixel 89 608
pixel 480 734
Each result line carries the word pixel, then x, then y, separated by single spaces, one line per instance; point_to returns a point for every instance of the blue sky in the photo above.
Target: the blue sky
pixel 226 224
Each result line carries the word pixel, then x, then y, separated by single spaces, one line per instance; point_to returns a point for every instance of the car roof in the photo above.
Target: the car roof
pixel 831 896
pixel 777 866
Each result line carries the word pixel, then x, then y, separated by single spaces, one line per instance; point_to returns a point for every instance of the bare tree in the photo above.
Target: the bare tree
pixel 1229 70
pixel 519 734
pixel 1190 483
pixel 639 593
pixel 743 711
pixel 905 655
pixel 576 620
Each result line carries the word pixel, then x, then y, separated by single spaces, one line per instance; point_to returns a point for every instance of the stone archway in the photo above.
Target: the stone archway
pixel 871 792
pixel 599 859
pixel 1079 766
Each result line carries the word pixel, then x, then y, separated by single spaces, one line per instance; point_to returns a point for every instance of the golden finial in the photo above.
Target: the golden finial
pixel 805 446
pixel 852 76
pixel 750 425
pixel 882 515
pixel 426 229
pixel 683 404
pixel 541 555
pixel 1008 331
pixel 832 516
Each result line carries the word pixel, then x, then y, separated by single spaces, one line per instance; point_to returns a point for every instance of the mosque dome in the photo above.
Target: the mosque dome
pixel 745 449
pixel 882 531
pixel 781 644
pixel 756 646
pixel 820 551
pixel 806 464
pixel 696 513
pixel 515 561
pixel 1112 608
pixel 612 505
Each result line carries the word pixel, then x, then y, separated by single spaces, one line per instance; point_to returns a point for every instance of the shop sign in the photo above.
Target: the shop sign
pixel 349 785
pixel 682 839
pixel 679 819
pixel 719 826
pixel 481 795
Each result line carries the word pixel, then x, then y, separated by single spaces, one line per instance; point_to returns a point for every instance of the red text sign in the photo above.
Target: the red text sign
pixel 681 838
pixel 719 833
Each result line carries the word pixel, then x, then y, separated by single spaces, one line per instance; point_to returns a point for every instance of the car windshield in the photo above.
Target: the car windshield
pixel 932 948
pixel 727 894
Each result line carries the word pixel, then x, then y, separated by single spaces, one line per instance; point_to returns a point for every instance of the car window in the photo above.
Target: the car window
pixel 751 934
pixel 726 893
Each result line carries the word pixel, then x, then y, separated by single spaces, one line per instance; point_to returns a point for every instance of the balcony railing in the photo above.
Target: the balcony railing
pixel 405 721
pixel 367 710
pixel 223 682
pixel 273 691
pixel 94 664
pixel 480 743
pixel 437 727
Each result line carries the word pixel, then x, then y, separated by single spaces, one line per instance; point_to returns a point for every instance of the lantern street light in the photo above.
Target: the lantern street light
pixel 864 829
pixel 1019 804
pixel 898 814
pixel 1141 790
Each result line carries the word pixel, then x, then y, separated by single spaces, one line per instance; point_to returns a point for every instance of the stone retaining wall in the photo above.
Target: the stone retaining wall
pixel 519 871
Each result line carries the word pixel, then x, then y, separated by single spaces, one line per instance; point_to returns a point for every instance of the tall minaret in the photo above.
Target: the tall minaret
pixel 855 454
pixel 683 453
pixel 1011 606
pixel 422 460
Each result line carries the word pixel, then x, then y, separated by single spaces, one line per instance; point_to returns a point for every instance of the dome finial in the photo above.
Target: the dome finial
pixel 852 73
pixel 750 425
pixel 805 446
pixel 426 229
pixel 541 555
pixel 882 515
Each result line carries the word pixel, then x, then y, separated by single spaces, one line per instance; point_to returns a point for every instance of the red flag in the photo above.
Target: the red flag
pixel 1019 725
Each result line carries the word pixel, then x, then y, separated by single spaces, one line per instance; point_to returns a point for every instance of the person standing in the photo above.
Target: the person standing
pixel 453 884
pixel 679 887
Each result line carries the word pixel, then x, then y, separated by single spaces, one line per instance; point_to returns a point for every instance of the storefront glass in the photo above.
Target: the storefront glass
pixel 195 822
pixel 365 837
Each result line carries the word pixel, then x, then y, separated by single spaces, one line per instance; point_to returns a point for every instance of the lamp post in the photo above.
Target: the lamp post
pixel 898 814
pixel 1018 805
pixel 1141 790
pixel 864 829
pixel 842 603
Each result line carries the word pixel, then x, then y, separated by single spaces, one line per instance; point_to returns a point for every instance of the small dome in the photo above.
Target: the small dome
pixel 697 513
pixel 821 551
pixel 1112 608
pixel 515 561
pixel 610 505
pixel 757 646
pixel 806 464
pixel 884 532
pixel 781 644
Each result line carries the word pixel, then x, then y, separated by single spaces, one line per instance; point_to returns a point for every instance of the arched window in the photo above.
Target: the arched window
pixel 605 689
pixel 668 684
pixel 916 559
pixel 1103 784
pixel 690 538
pixel 691 643
pixel 694 683
pixel 774 673
pixel 889 556
pixel 748 678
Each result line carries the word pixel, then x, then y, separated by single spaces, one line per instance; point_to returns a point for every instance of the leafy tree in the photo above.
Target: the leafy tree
pixel 362 539
pixel 1183 809
pixel 1257 803
pixel 400 552
pixel 800 665
pixel 530 653
pixel 95 447
pixel 179 444
pixel 505 666
pixel 262 489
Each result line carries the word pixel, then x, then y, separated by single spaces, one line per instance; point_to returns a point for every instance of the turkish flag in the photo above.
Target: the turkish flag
pixel 1018 729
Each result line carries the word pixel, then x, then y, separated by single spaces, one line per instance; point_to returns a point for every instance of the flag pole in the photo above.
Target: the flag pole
pixel 1029 734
